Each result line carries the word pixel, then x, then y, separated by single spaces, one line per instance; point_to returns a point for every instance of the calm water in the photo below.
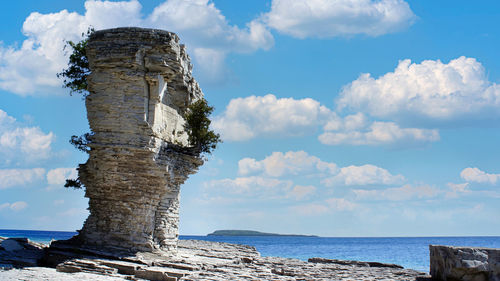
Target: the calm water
pixel 410 252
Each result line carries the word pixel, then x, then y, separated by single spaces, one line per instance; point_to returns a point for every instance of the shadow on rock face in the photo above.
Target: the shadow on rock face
pixel 61 251
pixel 19 253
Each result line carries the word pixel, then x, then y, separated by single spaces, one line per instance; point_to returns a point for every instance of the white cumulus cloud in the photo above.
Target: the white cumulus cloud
pixel 363 175
pixel 31 67
pixel 403 193
pixel 476 175
pixel 326 206
pixel 254 187
pixel 257 116
pixel 340 204
pixel 57 177
pixel 209 28
pixel 430 90
pixel 300 163
pixel 357 130
pixel 327 18
pixel 456 189
pixel 247 118
pixel 208 35
pixel 22 143
pixel 302 191
pixel 279 163
pixel 20 177
pixel 16 206
pixel 311 209
pixel 297 176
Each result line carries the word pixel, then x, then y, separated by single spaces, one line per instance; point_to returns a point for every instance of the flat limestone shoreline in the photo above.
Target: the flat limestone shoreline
pixel 196 260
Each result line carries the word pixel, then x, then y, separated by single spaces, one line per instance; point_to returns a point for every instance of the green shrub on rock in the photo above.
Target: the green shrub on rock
pixel 75 76
pixel 197 127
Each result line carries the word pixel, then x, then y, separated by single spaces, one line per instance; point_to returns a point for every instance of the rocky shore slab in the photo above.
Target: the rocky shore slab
pixel 196 260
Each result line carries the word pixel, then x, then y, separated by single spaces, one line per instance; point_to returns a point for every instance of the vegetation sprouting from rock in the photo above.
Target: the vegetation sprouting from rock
pixel 75 76
pixel 81 142
pixel 74 183
pixel 197 127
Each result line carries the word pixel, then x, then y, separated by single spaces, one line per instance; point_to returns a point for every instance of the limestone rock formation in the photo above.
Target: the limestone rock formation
pixel 140 86
pixel 202 260
pixel 464 263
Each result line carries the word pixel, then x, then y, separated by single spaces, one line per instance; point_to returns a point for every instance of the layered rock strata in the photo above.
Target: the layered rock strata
pixel 464 263
pixel 203 260
pixel 140 86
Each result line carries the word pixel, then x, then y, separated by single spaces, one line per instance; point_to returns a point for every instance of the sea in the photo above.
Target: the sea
pixel 410 252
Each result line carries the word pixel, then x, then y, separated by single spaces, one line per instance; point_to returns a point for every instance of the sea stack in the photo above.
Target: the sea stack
pixel 140 86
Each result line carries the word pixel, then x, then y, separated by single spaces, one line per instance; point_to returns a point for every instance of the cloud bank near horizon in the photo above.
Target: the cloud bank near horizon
pixel 308 186
pixel 280 175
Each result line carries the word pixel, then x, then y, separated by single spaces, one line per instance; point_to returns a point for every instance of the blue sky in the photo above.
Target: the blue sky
pixel 339 118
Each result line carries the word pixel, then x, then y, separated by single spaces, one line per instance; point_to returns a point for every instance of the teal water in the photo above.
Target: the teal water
pixel 410 252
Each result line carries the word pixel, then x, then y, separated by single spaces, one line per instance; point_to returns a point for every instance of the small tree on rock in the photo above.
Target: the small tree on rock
pixel 197 127
pixel 75 76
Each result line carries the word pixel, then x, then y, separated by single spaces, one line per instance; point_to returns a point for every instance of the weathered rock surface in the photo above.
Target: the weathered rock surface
pixel 45 273
pixel 464 263
pixel 201 260
pixel 140 86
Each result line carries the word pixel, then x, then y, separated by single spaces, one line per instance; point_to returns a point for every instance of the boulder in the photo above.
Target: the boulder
pixel 11 245
pixel 19 252
pixel 464 263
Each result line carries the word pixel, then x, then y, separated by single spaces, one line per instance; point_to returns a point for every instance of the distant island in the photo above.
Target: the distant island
pixel 251 233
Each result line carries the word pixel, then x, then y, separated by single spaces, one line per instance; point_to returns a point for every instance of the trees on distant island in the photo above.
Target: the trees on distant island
pixel 234 232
